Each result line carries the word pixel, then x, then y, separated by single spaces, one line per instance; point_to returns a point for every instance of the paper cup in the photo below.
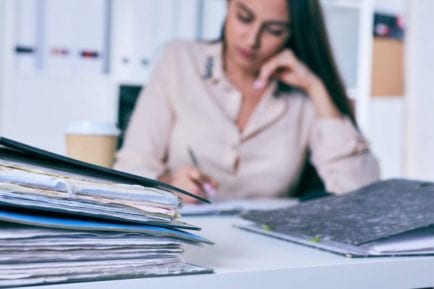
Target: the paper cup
pixel 92 142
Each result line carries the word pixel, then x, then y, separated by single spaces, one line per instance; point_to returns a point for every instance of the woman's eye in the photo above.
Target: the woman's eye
pixel 244 18
pixel 276 32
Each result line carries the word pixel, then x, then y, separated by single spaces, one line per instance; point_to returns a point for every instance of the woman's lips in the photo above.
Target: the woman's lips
pixel 246 53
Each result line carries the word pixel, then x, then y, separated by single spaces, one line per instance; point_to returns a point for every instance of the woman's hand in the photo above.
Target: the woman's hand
pixel 191 180
pixel 287 68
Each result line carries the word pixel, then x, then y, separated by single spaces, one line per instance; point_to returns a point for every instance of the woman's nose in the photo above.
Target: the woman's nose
pixel 253 36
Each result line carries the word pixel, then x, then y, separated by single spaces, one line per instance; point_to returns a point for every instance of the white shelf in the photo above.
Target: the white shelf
pixel 66 78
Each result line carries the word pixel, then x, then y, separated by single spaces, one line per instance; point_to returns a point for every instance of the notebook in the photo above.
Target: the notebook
pixel 387 218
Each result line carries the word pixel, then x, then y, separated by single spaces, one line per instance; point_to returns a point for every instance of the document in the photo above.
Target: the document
pixel 237 206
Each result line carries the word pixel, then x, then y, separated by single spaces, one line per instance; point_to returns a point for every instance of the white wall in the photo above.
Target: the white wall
pixel 38 109
pixel 397 7
pixel 2 59
pixel 386 134
pixel 420 89
pixel 387 129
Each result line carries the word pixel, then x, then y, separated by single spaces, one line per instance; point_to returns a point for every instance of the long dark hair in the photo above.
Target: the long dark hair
pixel 310 43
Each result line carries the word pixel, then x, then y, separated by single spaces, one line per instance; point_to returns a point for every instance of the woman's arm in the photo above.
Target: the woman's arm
pixel 287 68
pixel 339 152
pixel 341 155
pixel 149 129
pixel 149 133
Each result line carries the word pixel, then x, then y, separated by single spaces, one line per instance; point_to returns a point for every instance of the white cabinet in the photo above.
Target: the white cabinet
pixel 141 27
pixel 69 79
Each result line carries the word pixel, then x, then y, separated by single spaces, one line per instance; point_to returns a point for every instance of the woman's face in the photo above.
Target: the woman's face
pixel 255 30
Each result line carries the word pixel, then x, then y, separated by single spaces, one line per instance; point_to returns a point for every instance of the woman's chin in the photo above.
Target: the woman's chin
pixel 247 64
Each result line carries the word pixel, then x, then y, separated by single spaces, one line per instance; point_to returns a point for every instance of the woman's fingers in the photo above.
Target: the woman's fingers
pixel 284 60
pixel 285 67
pixel 193 188
pixel 193 180
pixel 206 183
pixel 200 178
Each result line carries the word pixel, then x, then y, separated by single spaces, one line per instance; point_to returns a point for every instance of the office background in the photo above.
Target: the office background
pixel 65 60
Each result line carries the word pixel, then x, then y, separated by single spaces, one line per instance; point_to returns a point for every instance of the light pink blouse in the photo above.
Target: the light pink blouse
pixel 189 102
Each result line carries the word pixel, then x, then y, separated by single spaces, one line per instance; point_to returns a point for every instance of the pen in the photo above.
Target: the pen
pixel 206 186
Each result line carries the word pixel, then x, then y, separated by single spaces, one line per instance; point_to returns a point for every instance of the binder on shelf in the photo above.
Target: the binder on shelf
pixel 26 46
pixel 388 218
pixel 58 33
pixel 91 36
pixel 133 29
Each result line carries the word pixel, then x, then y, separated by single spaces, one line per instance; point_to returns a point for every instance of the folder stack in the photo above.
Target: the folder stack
pixel 63 220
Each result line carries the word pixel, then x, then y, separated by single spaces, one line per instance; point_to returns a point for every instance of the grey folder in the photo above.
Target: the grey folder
pixel 388 218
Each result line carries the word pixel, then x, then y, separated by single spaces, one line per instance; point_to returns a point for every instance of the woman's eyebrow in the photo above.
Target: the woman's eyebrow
pixel 278 23
pixel 244 7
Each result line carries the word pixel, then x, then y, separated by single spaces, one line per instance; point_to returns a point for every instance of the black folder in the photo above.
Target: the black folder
pixel 388 218
pixel 11 149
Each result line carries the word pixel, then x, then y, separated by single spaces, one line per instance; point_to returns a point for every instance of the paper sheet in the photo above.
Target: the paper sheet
pixel 236 206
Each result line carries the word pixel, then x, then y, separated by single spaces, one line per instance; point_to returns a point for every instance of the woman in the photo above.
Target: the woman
pixel 250 109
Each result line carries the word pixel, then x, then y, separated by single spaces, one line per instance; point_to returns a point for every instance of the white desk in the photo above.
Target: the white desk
pixel 246 260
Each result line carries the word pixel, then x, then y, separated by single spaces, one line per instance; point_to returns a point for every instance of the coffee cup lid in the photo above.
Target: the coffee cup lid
pixel 92 128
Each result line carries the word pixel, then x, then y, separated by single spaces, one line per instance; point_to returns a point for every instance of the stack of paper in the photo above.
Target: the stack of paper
pixel 30 255
pixel 63 226
pixel 35 187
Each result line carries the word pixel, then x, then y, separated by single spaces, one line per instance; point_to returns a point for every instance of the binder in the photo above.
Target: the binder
pixel 387 218
pixel 26 47
pixel 11 149
pixel 91 37
pixel 55 221
pixel 58 33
